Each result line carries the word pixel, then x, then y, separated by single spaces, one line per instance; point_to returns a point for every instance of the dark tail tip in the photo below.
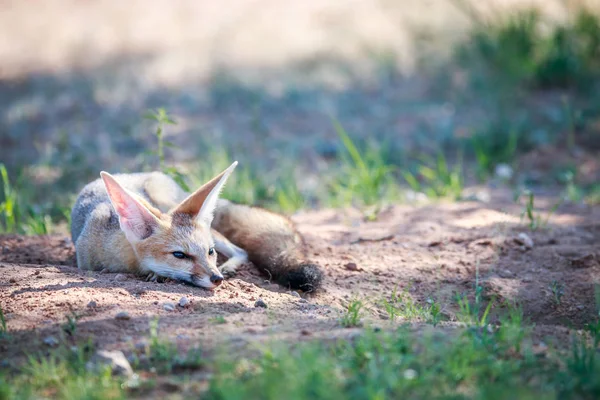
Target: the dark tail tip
pixel 306 277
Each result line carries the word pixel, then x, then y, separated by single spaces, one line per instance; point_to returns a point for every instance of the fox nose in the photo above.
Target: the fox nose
pixel 216 279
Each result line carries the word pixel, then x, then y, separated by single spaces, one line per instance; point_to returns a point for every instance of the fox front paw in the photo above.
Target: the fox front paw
pixel 228 271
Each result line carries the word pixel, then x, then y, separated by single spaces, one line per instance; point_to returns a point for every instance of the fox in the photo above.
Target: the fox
pixel 146 224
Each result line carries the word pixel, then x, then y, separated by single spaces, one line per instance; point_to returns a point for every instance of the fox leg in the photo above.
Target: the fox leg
pixel 236 255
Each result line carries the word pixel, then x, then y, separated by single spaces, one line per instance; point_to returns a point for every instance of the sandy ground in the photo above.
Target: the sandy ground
pixel 436 251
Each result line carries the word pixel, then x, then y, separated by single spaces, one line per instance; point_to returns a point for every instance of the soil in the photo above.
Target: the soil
pixel 433 251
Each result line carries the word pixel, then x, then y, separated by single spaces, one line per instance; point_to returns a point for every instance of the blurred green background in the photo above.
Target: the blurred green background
pixel 325 104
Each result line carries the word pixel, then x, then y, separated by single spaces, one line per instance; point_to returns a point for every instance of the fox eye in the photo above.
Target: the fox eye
pixel 179 254
pixel 211 251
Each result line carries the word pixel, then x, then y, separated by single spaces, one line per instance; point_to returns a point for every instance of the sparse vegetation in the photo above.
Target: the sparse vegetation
pixel 70 327
pixel 526 48
pixel 436 178
pixel 558 290
pixel 401 304
pixel 353 315
pixel 161 353
pixel 218 320
pixel 363 179
pixel 493 148
pixel 62 375
pixel 3 327
pixel 16 216
pixel 476 312
pixel 535 219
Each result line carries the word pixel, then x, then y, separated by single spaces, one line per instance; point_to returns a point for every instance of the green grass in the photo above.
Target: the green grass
pixel 558 291
pixel 363 177
pixel 218 320
pixel 437 178
pixel 525 48
pixel 402 305
pixel 481 361
pixel 70 327
pixel 492 148
pixel 472 364
pixel 63 375
pixel 592 196
pixel 352 317
pixel 16 216
pixel 476 312
pixel 3 326
pixel 536 220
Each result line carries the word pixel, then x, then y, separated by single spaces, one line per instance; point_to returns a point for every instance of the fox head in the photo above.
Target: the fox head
pixel 177 244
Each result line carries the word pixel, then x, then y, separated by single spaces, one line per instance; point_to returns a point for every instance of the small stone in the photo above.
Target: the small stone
pixel 587 261
pixel 503 171
pixel 293 293
pixel 479 195
pixel 141 346
pixel 123 316
pixel 51 341
pixel 351 266
pixel 12 280
pixel 115 359
pixel 303 301
pixel 410 374
pixel 92 304
pixel 183 302
pixel 524 239
pixel 384 316
pixel 260 303
pixel 120 277
pixel 505 274
pixel 169 306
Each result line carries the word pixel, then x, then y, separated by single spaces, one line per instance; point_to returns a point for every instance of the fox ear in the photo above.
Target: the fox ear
pixel 202 203
pixel 134 218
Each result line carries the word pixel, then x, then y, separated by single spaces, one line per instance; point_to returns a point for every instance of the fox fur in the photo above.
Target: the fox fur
pixel 140 222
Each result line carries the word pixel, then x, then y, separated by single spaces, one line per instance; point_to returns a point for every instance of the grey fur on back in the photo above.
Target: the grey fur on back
pixel 155 187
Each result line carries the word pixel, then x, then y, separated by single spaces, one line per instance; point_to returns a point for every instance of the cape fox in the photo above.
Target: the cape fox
pixel 144 223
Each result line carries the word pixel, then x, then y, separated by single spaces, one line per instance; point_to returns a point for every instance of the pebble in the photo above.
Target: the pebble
pixel 293 293
pixel 503 171
pixel 351 266
pixel 115 359
pixel 12 280
pixel 169 306
pixel 525 240
pixel 92 304
pixel 141 346
pixel 51 341
pixel 303 301
pixel 260 303
pixel 183 302
pixel 120 277
pixel 123 316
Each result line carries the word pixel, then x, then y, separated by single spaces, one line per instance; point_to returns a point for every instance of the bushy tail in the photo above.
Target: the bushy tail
pixel 272 243
pixel 290 270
